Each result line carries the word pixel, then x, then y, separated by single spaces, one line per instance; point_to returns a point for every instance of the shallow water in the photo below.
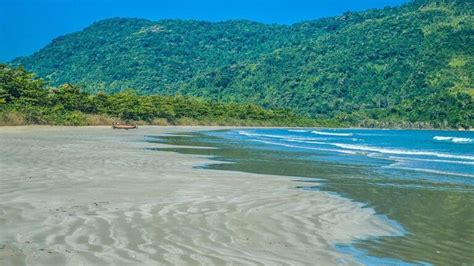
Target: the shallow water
pixel 424 180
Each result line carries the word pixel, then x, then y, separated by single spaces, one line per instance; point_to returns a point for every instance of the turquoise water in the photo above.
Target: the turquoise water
pixel 440 156
pixel 421 180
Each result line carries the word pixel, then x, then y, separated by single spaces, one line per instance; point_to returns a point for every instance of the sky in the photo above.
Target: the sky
pixel 28 25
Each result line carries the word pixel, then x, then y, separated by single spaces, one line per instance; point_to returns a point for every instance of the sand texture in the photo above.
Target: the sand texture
pixel 97 196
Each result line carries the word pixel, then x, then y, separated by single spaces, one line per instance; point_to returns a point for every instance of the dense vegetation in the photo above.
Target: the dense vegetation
pixel 151 57
pixel 25 99
pixel 406 66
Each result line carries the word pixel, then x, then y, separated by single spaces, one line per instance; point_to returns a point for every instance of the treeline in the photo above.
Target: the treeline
pixel 25 99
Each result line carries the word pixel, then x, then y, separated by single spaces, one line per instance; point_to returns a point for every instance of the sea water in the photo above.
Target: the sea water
pixel 445 156
pixel 421 180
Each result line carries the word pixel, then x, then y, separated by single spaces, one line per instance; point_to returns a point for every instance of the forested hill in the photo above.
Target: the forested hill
pixel 410 64
pixel 151 57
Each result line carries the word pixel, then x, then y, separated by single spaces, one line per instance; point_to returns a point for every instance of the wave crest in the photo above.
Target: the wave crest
pixel 297 130
pixel 453 139
pixel 400 151
pixel 331 133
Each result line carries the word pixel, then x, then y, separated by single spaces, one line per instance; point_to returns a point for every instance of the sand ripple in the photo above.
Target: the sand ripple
pixel 97 196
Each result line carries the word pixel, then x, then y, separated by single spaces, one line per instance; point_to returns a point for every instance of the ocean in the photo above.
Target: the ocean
pixel 420 180
pixel 440 156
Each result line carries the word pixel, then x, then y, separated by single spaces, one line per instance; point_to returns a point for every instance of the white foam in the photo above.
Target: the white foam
pixel 331 133
pixel 400 152
pixel 302 147
pixel 453 139
pixel 297 130
pixel 462 140
pixel 441 138
pixel 308 141
pixel 244 133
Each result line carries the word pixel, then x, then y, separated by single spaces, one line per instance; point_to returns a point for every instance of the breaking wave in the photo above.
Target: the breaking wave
pixel 297 130
pixel 400 151
pixel 453 139
pixel 331 133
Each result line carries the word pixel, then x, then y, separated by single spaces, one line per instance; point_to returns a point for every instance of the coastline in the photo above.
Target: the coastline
pixel 218 127
pixel 93 195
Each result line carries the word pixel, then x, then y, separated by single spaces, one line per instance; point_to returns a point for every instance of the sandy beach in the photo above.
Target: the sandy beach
pixel 97 196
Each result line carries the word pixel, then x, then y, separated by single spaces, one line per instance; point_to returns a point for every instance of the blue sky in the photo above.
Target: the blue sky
pixel 28 25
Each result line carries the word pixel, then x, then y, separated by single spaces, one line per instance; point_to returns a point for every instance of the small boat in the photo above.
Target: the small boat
pixel 119 126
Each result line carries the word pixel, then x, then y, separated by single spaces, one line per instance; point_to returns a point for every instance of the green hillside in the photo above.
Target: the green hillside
pixel 405 66
pixel 151 57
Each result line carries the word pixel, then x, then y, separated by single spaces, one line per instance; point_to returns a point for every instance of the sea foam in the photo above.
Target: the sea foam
pixel 331 133
pixel 302 147
pixel 401 151
pixel 280 137
pixel 453 139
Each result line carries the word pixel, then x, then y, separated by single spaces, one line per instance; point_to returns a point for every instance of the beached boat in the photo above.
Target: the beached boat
pixel 119 126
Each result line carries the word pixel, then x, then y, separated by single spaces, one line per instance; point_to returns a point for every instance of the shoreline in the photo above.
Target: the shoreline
pixel 93 195
pixel 214 127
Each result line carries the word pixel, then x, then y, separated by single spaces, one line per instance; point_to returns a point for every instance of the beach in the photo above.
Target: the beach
pixel 95 196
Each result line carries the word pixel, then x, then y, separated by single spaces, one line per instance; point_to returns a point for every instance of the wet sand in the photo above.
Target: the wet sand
pixel 95 196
